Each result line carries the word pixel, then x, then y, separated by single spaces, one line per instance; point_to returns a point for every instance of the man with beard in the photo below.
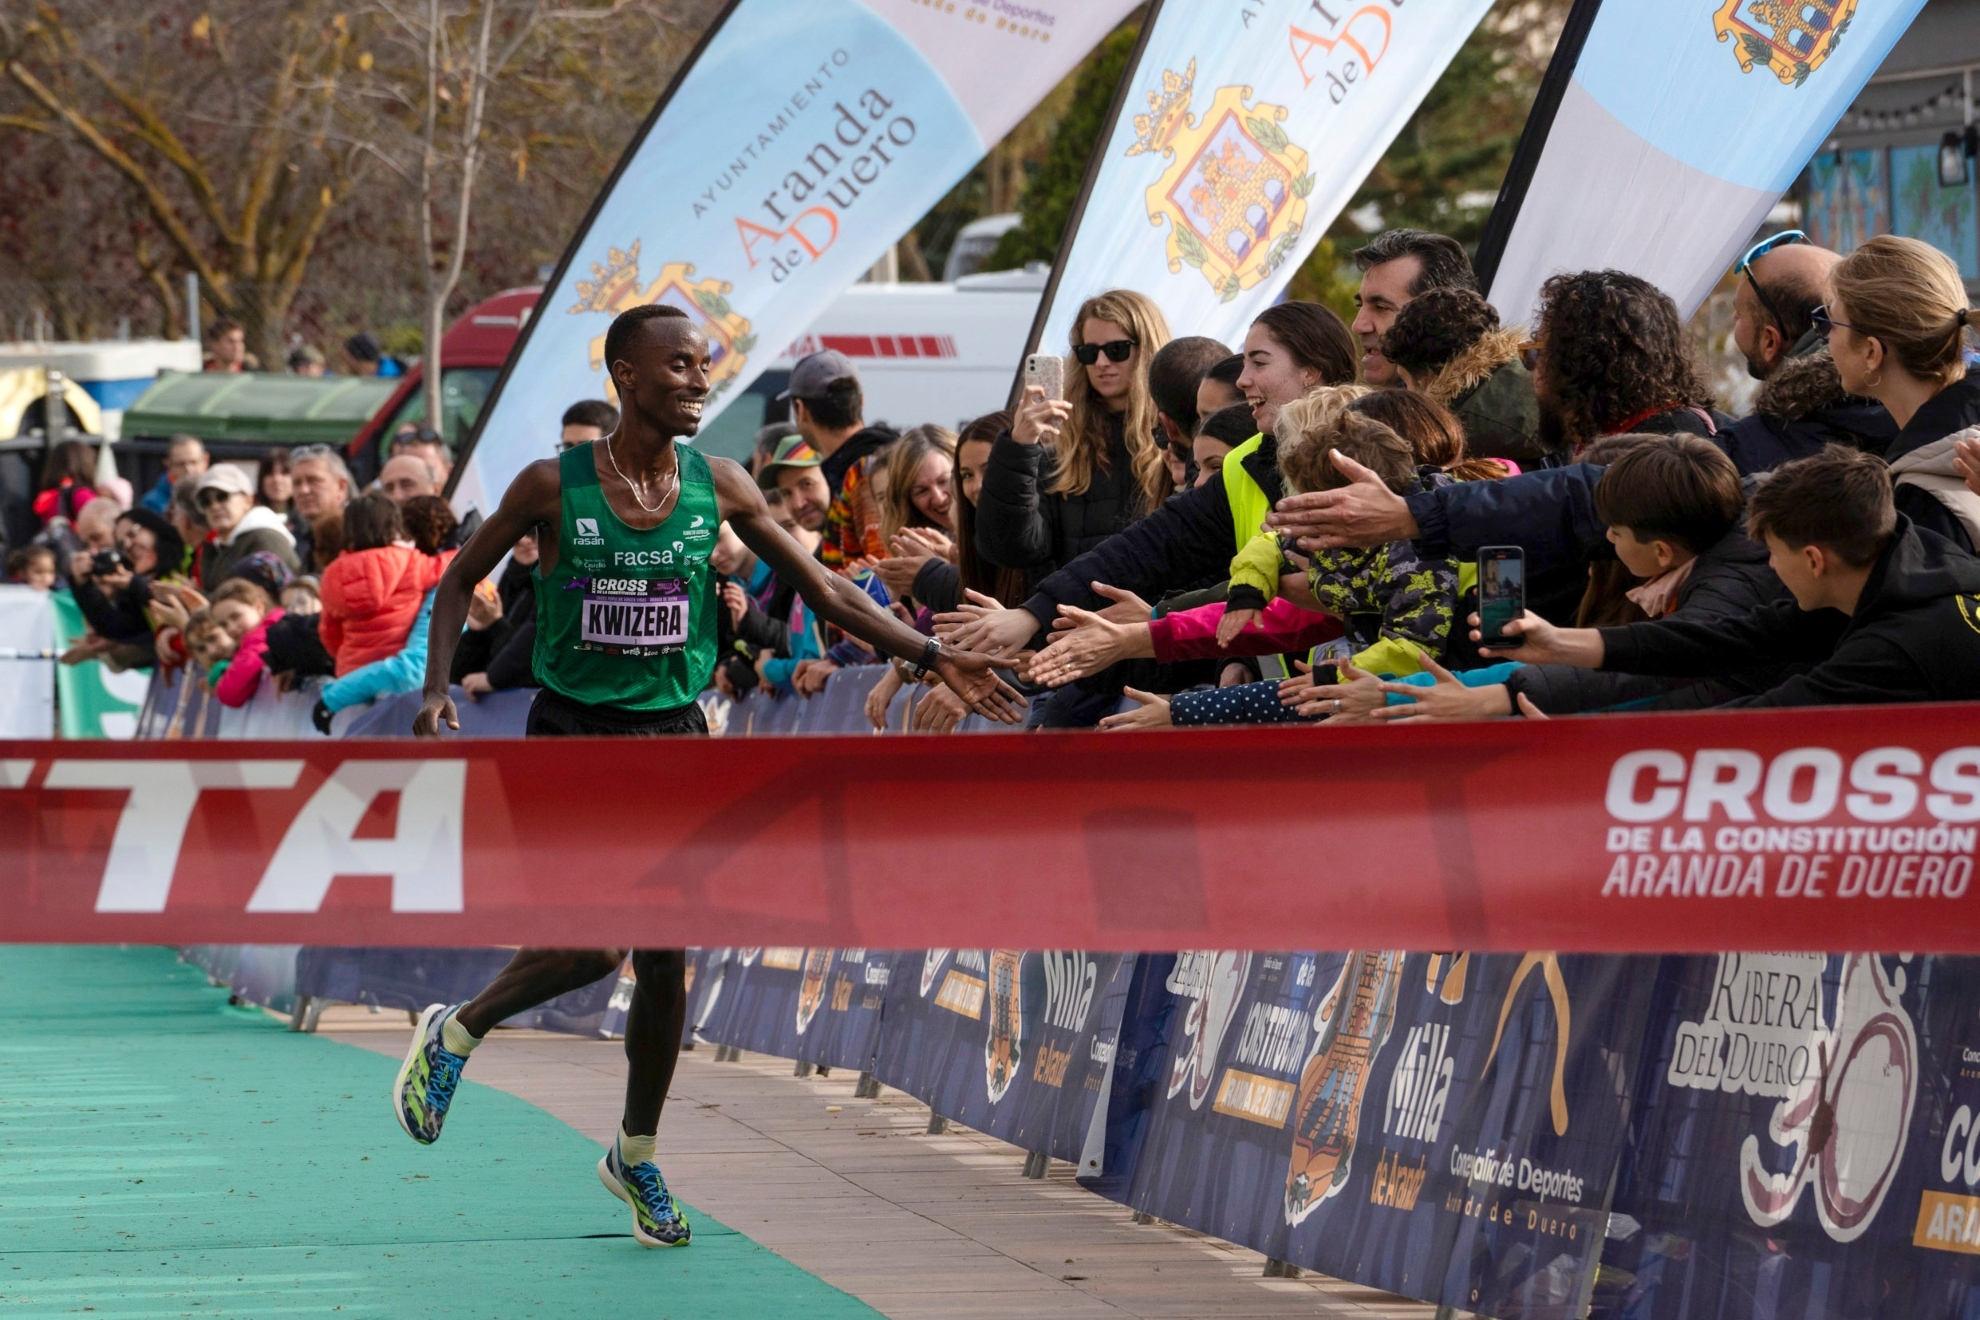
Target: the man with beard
pixel 1803 406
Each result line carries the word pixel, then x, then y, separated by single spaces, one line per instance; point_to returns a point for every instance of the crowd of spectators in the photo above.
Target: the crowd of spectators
pixel 1285 530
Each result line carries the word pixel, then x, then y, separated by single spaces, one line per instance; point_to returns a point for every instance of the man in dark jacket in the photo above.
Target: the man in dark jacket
pixel 1802 409
pixel 1884 611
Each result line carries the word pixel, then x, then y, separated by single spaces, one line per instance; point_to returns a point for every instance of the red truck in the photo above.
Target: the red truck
pixel 471 356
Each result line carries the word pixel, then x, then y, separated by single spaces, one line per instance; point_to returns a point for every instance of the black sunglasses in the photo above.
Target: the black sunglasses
pixel 1118 351
pixel 213 495
pixel 1827 325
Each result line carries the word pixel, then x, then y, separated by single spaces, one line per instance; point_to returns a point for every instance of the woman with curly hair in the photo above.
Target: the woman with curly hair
pixel 1613 357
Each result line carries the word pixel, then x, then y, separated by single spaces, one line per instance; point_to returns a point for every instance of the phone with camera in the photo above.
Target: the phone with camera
pixel 1501 593
pixel 1048 372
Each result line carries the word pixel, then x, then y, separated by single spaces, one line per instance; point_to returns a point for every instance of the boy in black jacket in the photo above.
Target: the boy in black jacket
pixel 1885 611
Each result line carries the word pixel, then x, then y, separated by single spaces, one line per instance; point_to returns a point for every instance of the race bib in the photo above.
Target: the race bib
pixel 636 613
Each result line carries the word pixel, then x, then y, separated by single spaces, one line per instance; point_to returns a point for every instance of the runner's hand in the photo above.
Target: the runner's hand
pixel 972 676
pixel 439 709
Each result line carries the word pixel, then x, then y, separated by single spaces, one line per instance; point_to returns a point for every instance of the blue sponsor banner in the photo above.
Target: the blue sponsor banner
pixel 1015 1044
pixel 818 1006
pixel 1441 1127
pixel 1804 1143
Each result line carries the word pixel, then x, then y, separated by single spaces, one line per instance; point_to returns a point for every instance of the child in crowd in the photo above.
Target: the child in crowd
pixel 208 644
pixel 243 608
pixel 32 566
pixel 1396 605
pixel 302 596
pixel 429 524
pixel 1882 610
pixel 372 592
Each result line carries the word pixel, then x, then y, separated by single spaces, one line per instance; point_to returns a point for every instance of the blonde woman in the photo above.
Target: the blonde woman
pixel 1073 472
pixel 1896 323
pixel 920 468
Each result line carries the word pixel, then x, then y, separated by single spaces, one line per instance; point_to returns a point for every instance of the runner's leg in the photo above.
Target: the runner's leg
pixel 653 1035
pixel 537 976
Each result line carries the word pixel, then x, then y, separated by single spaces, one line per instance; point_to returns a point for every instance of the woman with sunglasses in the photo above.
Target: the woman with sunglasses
pixel 1073 472
pixel 1896 323
pixel 1188 541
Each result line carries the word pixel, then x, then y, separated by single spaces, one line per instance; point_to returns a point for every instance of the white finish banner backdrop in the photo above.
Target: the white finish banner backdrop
pixel 804 139
pixel 1246 129
pixel 1683 124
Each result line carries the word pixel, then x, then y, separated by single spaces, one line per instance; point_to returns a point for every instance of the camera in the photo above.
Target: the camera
pixel 105 562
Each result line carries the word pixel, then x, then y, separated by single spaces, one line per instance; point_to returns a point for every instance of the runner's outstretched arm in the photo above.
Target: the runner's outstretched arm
pixel 836 601
pixel 533 498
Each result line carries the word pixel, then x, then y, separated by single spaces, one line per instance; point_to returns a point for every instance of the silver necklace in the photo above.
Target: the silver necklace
pixel 656 506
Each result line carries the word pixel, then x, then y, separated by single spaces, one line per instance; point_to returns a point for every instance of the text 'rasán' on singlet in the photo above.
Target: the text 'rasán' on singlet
pixel 627 618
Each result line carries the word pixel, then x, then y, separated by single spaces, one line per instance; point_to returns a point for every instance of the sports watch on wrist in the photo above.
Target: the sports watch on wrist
pixel 918 670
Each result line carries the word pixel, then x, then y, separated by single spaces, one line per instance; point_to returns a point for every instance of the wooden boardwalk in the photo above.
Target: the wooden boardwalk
pixel 855 1191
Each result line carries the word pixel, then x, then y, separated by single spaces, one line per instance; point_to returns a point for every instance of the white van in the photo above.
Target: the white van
pixel 940 353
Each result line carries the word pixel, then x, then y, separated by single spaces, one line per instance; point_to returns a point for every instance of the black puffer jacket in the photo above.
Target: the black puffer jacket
pixel 1730 580
pixel 1187 543
pixel 1914 636
pixel 1022 525
pixel 1803 408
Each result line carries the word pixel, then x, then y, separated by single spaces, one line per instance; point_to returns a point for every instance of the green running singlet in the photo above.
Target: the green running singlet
pixel 627 618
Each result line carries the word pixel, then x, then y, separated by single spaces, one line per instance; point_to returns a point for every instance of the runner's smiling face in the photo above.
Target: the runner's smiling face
pixel 664 375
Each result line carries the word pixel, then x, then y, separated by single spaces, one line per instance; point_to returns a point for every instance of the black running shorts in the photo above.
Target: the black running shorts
pixel 553 715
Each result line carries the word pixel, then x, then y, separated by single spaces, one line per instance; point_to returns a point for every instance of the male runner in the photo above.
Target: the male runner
pixel 625 641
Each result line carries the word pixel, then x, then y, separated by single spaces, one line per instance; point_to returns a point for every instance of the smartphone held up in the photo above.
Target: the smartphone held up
pixel 1501 593
pixel 1048 372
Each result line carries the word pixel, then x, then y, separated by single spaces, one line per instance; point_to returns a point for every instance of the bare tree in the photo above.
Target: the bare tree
pixel 435 99
pixel 215 122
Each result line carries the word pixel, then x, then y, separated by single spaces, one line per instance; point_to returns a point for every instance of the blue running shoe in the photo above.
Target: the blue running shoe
pixel 657 1220
pixel 427 1079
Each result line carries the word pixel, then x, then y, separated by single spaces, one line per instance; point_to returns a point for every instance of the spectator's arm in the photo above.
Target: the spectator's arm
pixel 1865 670
pixel 1188 540
pixel 762 632
pixel 1284 629
pixel 1010 525
pixel 1247 703
pixel 512 665
pixel 477 647
pixel 1550 514
pixel 938 586
pixel 1702 648
pixel 238 685
pixel 403 672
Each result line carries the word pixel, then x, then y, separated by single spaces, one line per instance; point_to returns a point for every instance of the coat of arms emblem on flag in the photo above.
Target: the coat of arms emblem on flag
pixel 1790 37
pixel 1234 193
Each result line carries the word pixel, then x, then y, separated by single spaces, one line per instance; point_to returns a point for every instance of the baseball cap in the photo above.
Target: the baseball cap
pixel 815 372
pixel 225 476
pixel 793 451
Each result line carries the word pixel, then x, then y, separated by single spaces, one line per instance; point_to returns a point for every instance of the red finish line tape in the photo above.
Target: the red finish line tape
pixel 1839 829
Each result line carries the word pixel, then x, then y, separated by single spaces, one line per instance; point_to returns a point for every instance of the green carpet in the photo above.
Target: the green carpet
pixel 163 1154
